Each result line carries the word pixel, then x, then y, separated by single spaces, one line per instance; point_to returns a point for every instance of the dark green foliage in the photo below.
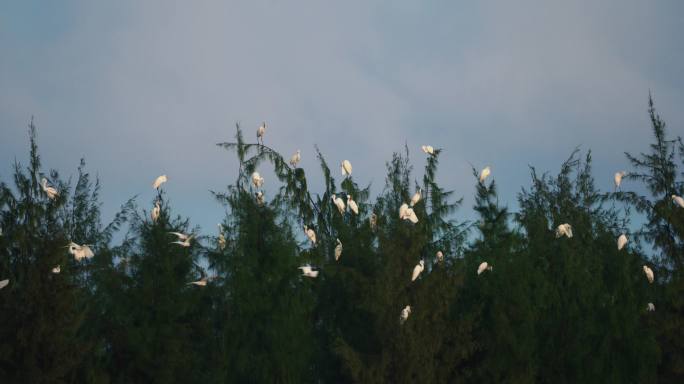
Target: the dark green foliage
pixel 560 310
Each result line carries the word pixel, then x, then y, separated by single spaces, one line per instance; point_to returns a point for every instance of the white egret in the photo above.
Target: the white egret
pixel 310 234
pixel 373 220
pixel 484 266
pixel 221 238
pixel 4 283
pixel 416 197
pixel 80 251
pixel 485 173
pixel 402 211
pixel 352 205
pixel 411 216
pixel 260 132
pixel 296 158
pixel 57 269
pixel 440 256
pixel 181 236
pixel 564 230
pixel 259 197
pixel 200 283
pixel 51 192
pixel 185 243
pixel 678 200
pixel 650 307
pixel 155 211
pixel 308 271
pixel 346 168
pixel 257 180
pixel 428 149
pixel 338 249
pixel 405 314
pixel 618 178
pixel 649 274
pixel 339 203
pixel 159 181
pixel 621 242
pixel 417 270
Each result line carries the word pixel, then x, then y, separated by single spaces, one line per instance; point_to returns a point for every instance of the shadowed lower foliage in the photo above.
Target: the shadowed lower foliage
pixel 233 307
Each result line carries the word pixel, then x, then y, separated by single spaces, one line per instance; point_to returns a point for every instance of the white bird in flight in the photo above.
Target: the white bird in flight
pixel 339 203
pixel 649 274
pixel 159 181
pixel 260 132
pixel 440 256
pixel 621 241
pixel 51 192
pixel 428 149
pixel 352 205
pixel 405 314
pixel 4 283
pixel 257 180
pixel 259 197
pixel 338 249
pixel 564 230
pixel 155 211
pixel 310 234
pixel 484 266
pixel 618 179
pixel 296 158
pixel 307 271
pixel 183 241
pixel 485 173
pixel 650 307
pixel 678 200
pixel 57 269
pixel 80 251
pixel 417 270
pixel 346 168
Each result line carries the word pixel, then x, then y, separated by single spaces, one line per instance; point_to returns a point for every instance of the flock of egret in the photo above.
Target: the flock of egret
pixel 406 212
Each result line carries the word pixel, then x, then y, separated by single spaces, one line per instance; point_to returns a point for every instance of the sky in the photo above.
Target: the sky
pixel 140 89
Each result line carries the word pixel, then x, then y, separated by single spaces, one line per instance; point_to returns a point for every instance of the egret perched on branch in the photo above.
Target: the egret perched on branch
pixel 485 173
pixel 404 314
pixel 618 179
pixel 564 229
pixel 346 168
pixel 339 203
pixel 257 180
pixel 678 200
pixel 428 149
pixel 484 266
pixel 352 205
pixel 406 213
pixel 650 307
pixel 155 211
pixel 200 283
pixel 259 197
pixel 56 269
pixel 373 220
pixel 181 236
pixel 51 192
pixel 649 274
pixel 4 283
pixel 417 270
pixel 221 238
pixel 183 240
pixel 338 249
pixel 416 197
pixel 80 251
pixel 621 241
pixel 440 256
pixel 310 234
pixel 308 272
pixel 159 181
pixel 296 158
pixel 260 132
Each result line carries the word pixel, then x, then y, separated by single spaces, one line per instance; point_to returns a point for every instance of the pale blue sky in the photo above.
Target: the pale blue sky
pixel 145 88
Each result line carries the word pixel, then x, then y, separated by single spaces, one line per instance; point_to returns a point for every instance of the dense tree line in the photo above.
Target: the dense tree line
pixel 549 309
